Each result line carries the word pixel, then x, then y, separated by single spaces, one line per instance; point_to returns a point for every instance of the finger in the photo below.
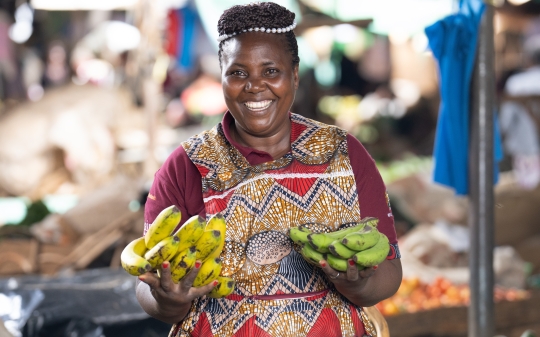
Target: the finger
pixel 352 270
pixel 368 272
pixel 332 273
pixel 201 291
pixel 166 279
pixel 187 281
pixel 150 279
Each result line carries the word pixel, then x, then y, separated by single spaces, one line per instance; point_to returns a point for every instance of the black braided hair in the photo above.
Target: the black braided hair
pixel 264 14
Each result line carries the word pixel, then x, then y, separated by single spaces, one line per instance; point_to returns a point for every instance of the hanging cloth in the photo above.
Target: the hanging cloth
pixel 453 43
pixel 171 37
pixel 187 30
pixel 181 33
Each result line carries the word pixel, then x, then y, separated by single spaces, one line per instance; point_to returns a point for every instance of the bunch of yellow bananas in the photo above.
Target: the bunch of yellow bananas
pixel 362 243
pixel 194 240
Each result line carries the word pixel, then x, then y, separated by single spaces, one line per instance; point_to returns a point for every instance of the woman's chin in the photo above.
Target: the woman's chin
pixel 262 130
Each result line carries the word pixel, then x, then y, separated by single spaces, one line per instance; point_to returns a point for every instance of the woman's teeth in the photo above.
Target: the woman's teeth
pixel 257 106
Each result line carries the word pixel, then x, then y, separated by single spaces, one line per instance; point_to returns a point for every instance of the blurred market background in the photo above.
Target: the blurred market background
pixel 95 94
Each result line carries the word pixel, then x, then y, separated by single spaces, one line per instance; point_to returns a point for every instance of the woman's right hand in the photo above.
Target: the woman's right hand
pixel 171 297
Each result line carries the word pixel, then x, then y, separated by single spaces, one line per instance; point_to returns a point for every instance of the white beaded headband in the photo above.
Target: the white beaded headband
pixel 261 29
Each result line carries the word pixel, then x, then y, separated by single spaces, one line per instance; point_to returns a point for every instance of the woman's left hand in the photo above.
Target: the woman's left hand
pixel 352 276
pixel 365 287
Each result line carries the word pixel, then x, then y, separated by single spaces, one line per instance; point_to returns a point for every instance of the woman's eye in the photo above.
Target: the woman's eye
pixel 272 71
pixel 237 73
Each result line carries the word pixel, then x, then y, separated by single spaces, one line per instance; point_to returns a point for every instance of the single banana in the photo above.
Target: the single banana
pixel 162 227
pixel 217 222
pixel 374 255
pixel 336 262
pixel 340 250
pixel 299 235
pixel 341 233
pixel 321 241
pixel 225 287
pixel 311 255
pixel 132 258
pixel 190 232
pixel 362 240
pixel 209 241
pixel 208 272
pixel 182 263
pixel 163 251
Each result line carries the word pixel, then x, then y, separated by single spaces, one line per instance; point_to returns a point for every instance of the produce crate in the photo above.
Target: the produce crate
pixel 511 320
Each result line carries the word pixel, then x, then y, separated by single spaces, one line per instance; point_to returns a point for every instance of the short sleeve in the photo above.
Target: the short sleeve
pixel 177 182
pixel 372 195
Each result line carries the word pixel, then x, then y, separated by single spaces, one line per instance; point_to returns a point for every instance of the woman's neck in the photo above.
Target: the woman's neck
pixel 276 145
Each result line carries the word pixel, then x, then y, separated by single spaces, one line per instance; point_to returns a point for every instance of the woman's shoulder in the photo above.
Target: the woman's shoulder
pixel 311 123
pixel 358 154
pixel 305 129
pixel 313 126
pixel 205 139
pixel 177 165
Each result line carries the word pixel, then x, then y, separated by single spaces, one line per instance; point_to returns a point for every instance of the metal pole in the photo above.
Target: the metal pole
pixel 481 214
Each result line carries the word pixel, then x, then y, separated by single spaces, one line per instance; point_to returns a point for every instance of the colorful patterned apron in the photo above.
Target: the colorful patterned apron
pixel 277 292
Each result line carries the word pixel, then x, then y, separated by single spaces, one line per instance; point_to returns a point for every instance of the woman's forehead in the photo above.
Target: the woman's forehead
pixel 260 46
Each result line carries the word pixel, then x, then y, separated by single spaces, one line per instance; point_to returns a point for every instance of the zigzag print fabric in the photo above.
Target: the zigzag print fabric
pixel 313 185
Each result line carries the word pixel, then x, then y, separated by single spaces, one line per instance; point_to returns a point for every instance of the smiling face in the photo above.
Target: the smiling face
pixel 259 83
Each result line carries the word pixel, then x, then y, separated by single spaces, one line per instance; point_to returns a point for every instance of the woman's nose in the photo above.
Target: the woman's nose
pixel 255 85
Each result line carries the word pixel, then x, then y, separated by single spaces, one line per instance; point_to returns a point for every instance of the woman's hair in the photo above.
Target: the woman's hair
pixel 265 14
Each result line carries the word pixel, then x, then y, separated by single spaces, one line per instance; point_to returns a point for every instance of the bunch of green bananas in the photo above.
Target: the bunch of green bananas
pixel 194 240
pixel 362 243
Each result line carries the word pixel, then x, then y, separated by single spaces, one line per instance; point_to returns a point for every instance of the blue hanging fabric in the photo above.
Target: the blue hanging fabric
pixel 453 43
pixel 187 18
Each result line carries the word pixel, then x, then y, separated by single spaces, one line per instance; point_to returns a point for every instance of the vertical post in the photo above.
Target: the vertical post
pixel 481 214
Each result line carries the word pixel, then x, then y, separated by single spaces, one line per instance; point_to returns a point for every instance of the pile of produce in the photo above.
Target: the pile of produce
pixel 195 240
pixel 414 295
pixel 362 243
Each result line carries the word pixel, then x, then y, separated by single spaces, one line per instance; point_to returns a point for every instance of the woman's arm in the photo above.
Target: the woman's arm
pixel 160 297
pixel 367 287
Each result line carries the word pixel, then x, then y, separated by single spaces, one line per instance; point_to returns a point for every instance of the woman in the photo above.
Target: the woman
pixel 266 169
